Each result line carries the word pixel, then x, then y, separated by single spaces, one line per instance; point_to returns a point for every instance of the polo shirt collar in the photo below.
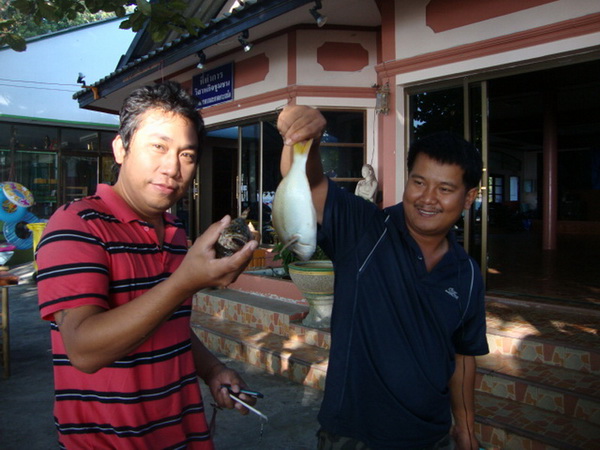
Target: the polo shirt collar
pixel 396 213
pixel 119 207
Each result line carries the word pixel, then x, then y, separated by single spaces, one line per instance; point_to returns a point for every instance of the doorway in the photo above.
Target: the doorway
pixel 241 174
pixel 510 123
pixel 224 181
pixel 525 112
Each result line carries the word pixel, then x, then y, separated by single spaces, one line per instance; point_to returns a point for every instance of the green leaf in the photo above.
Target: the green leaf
pixel 93 6
pixel 137 21
pixel 6 25
pixel 144 7
pixel 24 6
pixel 79 8
pixel 48 11
pixel 195 22
pixel 15 42
pixel 159 34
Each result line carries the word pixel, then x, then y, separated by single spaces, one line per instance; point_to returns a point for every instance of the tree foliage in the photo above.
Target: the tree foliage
pixel 20 19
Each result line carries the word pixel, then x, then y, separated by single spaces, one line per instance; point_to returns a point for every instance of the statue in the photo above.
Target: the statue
pixel 367 187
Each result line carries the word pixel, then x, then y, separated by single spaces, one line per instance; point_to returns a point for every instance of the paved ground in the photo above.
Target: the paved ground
pixel 26 397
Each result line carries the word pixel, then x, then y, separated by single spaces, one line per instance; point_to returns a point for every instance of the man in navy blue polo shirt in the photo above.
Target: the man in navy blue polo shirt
pixel 408 316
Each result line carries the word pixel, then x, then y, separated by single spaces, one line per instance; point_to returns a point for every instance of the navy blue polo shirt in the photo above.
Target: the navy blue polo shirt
pixel 395 327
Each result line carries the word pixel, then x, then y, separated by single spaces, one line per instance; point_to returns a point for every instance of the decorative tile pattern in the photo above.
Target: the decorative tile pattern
pixel 538 389
pixel 511 422
pixel 275 354
pixel 535 334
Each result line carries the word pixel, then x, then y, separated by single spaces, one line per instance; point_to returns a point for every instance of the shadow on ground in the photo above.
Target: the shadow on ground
pixel 26 419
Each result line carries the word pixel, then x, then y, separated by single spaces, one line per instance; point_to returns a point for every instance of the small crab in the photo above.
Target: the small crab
pixel 234 237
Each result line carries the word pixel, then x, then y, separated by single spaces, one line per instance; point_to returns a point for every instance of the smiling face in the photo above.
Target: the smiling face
pixel 434 197
pixel 160 164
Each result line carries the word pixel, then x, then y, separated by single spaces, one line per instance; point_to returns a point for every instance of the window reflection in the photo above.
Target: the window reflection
pixel 79 176
pixel 74 139
pixel 433 111
pixel 258 146
pixel 343 147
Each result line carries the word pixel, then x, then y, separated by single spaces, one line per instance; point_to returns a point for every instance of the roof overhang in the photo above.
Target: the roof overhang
pixel 166 62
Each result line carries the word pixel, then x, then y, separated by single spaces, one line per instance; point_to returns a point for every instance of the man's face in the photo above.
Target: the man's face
pixel 160 164
pixel 434 197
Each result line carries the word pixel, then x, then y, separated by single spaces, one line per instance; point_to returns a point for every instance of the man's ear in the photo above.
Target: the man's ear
pixel 470 197
pixel 119 151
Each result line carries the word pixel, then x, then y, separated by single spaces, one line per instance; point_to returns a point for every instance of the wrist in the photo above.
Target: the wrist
pixel 212 371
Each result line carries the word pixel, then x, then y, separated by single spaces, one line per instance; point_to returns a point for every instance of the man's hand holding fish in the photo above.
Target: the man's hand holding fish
pixel 300 196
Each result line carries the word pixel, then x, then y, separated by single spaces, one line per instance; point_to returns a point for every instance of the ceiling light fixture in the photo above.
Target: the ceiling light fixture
pixel 202 59
pixel 321 19
pixel 247 46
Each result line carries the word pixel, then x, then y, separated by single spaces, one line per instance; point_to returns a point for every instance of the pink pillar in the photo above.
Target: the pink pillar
pixel 550 181
pixel 387 154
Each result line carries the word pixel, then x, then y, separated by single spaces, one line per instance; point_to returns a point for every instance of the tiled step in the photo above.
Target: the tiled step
pixel 540 385
pixel 291 358
pixel 538 389
pixel 569 392
pixel 264 313
pixel 562 338
pixel 505 424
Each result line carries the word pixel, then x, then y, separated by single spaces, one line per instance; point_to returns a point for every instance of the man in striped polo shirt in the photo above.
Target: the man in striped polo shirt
pixel 116 280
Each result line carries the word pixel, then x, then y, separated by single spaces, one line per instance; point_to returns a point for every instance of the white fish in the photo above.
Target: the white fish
pixel 294 215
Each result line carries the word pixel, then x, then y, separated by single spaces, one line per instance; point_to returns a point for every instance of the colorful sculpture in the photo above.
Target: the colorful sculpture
pixel 15 199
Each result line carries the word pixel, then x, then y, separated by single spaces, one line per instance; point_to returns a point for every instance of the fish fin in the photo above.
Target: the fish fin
pixel 292 241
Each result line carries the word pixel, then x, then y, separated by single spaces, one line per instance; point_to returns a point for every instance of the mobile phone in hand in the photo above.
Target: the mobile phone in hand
pixel 247 392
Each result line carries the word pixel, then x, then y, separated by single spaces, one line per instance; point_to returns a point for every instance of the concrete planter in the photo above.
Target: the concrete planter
pixel 315 280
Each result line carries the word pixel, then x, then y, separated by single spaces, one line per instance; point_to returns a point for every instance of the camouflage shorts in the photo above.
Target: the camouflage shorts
pixel 328 441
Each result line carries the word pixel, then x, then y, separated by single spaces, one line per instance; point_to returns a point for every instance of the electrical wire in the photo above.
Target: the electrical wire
pixel 39 82
pixel 38 88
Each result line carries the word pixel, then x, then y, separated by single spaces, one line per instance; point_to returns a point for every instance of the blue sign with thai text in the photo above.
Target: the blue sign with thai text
pixel 214 86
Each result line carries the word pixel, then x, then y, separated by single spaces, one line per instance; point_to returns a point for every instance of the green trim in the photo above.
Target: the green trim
pixel 108 127
pixel 37 152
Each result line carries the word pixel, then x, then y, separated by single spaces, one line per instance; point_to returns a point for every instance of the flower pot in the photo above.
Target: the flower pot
pixel 315 280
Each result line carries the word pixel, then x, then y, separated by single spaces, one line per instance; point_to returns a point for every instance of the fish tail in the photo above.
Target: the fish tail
pixel 302 147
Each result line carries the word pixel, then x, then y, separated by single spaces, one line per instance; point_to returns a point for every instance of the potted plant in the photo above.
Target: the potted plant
pixel 314 278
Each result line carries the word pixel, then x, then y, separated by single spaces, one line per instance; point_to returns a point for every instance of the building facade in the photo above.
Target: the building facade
pixel 520 79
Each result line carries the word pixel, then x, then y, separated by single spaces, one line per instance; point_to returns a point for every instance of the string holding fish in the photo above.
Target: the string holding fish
pixel 294 215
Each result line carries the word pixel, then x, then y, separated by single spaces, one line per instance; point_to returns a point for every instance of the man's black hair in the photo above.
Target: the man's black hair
pixel 168 96
pixel 449 148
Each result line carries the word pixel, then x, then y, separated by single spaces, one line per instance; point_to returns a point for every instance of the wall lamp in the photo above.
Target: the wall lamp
pixel 247 46
pixel 321 19
pixel 382 100
pixel 201 59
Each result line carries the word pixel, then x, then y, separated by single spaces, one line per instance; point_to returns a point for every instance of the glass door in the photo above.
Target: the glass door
pixel 476 131
pixel 271 176
pixel 243 163
pixel 462 110
pixel 250 179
